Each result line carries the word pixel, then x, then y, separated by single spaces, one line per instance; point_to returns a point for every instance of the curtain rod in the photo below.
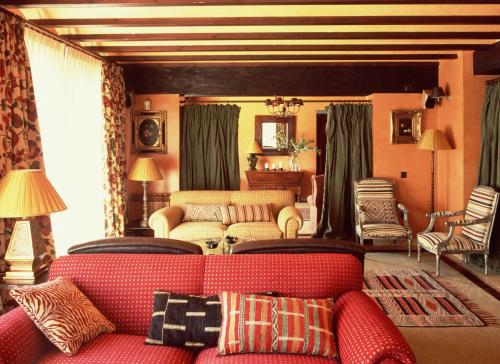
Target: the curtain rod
pixel 194 101
pixel 51 35
pixel 495 80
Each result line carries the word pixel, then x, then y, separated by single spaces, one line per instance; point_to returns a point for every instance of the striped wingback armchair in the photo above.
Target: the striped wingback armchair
pixel 376 212
pixel 475 235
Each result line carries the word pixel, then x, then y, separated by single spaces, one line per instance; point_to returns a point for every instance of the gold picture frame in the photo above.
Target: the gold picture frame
pixel 149 132
pixel 406 126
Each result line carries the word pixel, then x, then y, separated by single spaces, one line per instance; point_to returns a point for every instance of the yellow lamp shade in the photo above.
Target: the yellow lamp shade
pixel 145 169
pixel 433 139
pixel 28 193
pixel 254 148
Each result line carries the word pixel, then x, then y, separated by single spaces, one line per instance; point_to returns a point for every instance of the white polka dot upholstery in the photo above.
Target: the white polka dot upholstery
pixel 121 285
pixel 120 349
pixel 210 356
pixel 17 327
pixel 292 275
pixel 365 334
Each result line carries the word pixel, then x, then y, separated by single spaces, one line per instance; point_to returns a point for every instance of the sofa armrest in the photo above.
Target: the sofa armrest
pixel 165 220
pixel 289 221
pixel 365 334
pixel 20 340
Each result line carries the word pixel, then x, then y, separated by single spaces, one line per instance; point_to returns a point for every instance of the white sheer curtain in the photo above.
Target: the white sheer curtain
pixel 68 95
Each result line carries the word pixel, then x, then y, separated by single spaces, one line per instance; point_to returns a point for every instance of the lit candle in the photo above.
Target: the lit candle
pixel 266 166
pixel 280 165
pixel 273 167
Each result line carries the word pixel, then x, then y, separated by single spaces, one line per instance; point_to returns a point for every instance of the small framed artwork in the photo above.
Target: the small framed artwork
pixel 406 126
pixel 149 132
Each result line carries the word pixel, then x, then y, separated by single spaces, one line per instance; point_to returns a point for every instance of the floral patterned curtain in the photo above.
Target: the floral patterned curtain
pixel 113 94
pixel 20 143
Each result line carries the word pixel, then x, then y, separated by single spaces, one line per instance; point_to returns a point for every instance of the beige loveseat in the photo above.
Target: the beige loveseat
pixel 168 221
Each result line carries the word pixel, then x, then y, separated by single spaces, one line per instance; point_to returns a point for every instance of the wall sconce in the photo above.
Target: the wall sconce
pixel 438 94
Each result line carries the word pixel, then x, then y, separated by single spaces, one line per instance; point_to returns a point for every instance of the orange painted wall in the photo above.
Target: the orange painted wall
pixel 460 119
pixel 389 160
pixel 168 163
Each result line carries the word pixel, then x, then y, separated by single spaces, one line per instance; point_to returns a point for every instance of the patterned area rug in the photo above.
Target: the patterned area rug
pixel 411 298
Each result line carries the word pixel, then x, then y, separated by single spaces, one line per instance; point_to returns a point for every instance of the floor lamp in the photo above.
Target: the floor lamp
pixel 25 194
pixel 433 139
pixel 144 170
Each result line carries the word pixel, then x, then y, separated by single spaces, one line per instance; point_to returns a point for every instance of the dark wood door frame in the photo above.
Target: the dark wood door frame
pixel 321 117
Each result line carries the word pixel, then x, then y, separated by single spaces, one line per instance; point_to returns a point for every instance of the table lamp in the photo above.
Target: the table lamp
pixel 27 193
pixel 144 170
pixel 253 149
pixel 433 139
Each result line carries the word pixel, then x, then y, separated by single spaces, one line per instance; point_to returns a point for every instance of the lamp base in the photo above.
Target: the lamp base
pixel 252 162
pixel 27 254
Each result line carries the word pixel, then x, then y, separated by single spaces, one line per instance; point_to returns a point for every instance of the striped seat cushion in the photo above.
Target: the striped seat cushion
pixel 458 243
pixel 233 214
pixel 374 188
pixel 263 324
pixel 480 205
pixel 384 231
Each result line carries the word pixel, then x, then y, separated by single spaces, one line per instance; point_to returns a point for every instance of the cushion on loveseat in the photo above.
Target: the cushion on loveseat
pixel 119 349
pixel 198 230
pixel 254 230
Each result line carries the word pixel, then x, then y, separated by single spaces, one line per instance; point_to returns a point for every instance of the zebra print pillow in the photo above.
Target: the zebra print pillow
pixel 63 313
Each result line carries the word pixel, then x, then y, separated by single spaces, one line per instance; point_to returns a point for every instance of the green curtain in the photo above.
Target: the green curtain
pixel 209 148
pixel 489 162
pixel 348 158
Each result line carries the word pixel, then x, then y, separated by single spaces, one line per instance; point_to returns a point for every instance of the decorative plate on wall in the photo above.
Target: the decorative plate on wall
pixel 149 132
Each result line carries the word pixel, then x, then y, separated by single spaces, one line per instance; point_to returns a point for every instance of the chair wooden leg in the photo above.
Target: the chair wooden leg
pixel 437 264
pixel 418 252
pixel 486 264
pixel 409 247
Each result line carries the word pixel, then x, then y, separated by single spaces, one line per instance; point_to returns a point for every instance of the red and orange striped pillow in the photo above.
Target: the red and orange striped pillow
pixel 63 313
pixel 232 214
pixel 264 324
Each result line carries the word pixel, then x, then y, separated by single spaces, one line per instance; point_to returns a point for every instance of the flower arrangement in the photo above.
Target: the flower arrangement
pixel 301 145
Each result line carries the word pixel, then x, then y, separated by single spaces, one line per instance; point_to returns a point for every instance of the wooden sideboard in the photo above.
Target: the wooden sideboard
pixel 274 180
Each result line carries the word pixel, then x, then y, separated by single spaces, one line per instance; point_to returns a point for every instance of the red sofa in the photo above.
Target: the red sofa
pixel 121 287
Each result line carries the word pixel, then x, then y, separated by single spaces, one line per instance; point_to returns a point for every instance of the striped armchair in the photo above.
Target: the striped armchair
pixel 475 235
pixel 376 212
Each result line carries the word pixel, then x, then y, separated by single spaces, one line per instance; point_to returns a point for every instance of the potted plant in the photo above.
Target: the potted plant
pixel 297 147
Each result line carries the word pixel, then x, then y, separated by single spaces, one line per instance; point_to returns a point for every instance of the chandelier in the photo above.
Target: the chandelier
pixel 281 108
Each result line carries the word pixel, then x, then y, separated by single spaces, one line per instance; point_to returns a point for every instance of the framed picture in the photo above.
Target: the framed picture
pixel 406 126
pixel 149 132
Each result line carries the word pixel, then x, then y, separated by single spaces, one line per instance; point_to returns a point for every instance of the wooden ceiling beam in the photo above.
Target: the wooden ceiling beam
pixel 487 62
pixel 51 3
pixel 271 21
pixel 386 64
pixel 286 57
pixel 292 48
pixel 281 36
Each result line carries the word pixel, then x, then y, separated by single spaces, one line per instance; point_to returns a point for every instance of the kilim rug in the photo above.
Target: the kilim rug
pixel 411 298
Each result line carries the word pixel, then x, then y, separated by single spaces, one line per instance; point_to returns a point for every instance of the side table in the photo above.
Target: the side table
pixel 134 229
pixel 4 286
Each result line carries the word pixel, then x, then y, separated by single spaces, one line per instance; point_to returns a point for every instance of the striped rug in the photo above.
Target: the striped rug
pixel 411 298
